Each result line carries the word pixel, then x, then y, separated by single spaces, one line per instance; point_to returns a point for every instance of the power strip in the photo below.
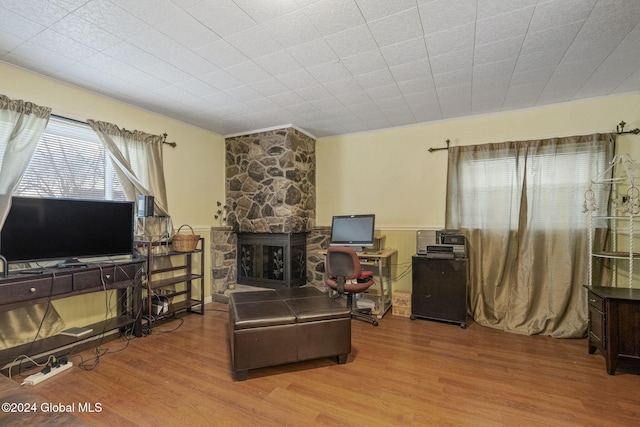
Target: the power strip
pixel 39 377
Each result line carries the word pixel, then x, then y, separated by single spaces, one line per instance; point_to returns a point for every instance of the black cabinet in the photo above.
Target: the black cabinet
pixel 439 289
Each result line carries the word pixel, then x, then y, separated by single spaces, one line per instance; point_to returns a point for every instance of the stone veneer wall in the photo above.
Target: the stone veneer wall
pixel 317 240
pixel 271 182
pixel 224 243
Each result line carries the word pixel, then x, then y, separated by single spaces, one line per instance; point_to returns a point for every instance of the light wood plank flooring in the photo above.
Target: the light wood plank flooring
pixel 402 373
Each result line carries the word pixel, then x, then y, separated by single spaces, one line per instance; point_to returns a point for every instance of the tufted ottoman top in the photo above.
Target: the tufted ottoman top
pixel 256 309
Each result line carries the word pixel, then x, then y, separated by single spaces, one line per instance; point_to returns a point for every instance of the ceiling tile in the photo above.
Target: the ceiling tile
pixel 405 52
pixel 263 10
pixel 407 87
pixel 62 45
pixel 85 32
pixel 17 25
pixel 156 43
pixel 150 11
pixel 111 18
pixel 329 72
pixel 559 37
pixel 374 79
pixel 411 70
pixel 507 26
pixel 498 51
pixel 453 61
pixel 247 72
pixel 254 42
pixel 352 41
pixel 357 98
pixel 34 57
pixel 193 63
pixel 365 62
pixel 451 40
pixel 221 80
pixel 196 34
pixel 347 85
pixel 196 87
pixel 299 79
pixel 279 63
pixel 291 29
pixel 223 17
pixel 397 28
pixel 558 13
pixel 244 93
pixel 42 12
pixel 441 15
pixel 268 87
pixel 312 53
pixel 376 9
pixel 457 78
pixel 222 54
pixel 332 16
pixel 491 8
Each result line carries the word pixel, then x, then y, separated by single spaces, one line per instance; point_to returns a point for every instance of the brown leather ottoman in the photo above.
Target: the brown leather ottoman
pixel 268 328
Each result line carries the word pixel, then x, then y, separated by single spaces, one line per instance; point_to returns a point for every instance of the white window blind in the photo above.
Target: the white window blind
pixel 70 162
pixel 556 182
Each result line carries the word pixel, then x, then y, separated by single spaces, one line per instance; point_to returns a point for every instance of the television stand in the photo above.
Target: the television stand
pixel 22 290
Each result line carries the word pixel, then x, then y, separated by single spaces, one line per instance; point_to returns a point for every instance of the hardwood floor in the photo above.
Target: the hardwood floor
pixel 402 373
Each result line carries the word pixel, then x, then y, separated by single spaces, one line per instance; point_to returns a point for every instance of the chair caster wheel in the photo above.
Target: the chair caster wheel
pixel 375 323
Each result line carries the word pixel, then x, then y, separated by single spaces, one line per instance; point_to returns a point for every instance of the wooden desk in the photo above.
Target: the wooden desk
pixel 380 263
pixel 614 324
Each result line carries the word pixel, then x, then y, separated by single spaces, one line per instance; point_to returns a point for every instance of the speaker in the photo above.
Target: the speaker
pixel 145 206
pixel 424 238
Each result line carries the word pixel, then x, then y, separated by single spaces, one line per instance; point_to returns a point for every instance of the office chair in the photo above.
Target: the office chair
pixel 344 275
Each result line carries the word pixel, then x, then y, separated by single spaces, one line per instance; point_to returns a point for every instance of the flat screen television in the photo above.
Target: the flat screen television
pixel 46 229
pixel 353 230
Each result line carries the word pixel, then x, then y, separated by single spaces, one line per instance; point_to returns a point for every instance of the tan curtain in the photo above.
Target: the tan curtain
pixel 21 125
pixel 520 206
pixel 137 157
pixel 138 161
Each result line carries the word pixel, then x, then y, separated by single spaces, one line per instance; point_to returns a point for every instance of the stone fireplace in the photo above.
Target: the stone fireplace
pixel 270 194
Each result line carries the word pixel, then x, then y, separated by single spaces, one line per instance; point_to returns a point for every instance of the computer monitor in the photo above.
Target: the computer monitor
pixel 353 230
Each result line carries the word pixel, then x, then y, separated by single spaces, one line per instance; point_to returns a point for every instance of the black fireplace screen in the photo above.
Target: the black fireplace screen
pixel 272 260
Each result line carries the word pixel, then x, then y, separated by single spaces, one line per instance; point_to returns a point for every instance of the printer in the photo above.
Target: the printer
pixel 441 244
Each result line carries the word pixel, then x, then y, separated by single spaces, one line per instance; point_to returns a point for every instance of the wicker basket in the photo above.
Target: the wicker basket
pixel 185 242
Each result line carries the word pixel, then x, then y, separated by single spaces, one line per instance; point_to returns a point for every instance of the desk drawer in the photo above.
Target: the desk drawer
pixel 596 302
pixel 95 278
pixel 125 273
pixel 35 288
pixel 92 279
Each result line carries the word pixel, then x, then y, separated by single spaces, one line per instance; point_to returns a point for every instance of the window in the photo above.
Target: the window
pixel 70 162
pixel 555 179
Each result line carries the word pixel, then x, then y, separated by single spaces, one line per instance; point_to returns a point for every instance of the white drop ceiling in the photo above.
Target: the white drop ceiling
pixel 328 66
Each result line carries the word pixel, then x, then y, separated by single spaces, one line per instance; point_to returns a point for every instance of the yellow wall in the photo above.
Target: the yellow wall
pixel 391 173
pixel 194 170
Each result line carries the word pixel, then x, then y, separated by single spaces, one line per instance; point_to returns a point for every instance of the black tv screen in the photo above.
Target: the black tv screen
pixel 353 230
pixel 39 229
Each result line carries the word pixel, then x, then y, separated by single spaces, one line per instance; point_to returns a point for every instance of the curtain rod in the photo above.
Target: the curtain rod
pixel 164 135
pixel 431 150
pixel 620 129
